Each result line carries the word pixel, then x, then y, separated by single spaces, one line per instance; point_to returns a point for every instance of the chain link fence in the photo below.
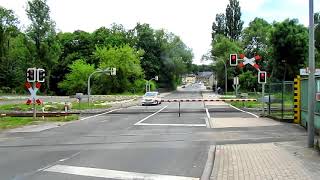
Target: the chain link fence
pixel 280 100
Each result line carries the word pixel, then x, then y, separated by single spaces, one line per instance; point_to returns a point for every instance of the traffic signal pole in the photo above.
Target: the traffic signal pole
pixel 34 103
pixel 311 81
pixel 263 89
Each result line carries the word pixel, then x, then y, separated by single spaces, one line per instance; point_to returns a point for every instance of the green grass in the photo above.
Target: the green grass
pixel 18 107
pixel 14 122
pixel 55 106
pixel 249 104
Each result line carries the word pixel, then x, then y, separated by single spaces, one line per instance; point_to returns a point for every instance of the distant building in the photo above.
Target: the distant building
pixel 206 77
pixel 189 78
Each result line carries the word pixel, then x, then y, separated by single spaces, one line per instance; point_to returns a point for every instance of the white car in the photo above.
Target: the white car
pixel 151 98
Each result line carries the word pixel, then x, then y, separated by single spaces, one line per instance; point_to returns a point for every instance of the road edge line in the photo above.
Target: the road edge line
pixel 100 114
pixel 243 111
pixel 137 123
pixel 209 164
pixel 208 119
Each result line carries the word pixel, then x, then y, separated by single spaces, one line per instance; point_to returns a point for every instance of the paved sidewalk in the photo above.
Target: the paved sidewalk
pixel 263 161
pixel 242 122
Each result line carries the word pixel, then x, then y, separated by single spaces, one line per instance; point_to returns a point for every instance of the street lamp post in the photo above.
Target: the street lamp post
pixel 311 80
pixel 148 83
pixel 112 71
pixel 225 75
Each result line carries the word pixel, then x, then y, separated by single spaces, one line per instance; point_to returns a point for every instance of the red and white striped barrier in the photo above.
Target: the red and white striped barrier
pixel 207 100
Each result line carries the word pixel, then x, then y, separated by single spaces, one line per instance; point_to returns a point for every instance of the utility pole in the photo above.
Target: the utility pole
pixel 311 80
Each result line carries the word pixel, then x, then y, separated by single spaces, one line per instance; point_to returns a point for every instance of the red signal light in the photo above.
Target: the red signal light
pixel 233 60
pixel 262 77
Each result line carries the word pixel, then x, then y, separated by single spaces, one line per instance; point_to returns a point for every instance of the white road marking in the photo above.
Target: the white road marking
pixel 207 123
pixel 244 111
pixel 61 160
pixel 100 114
pixel 187 125
pixel 138 123
pixel 208 114
pixel 112 174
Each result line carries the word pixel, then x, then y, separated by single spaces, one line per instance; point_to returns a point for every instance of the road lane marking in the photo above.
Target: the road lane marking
pixel 187 125
pixel 244 111
pixel 112 174
pixel 100 114
pixel 150 116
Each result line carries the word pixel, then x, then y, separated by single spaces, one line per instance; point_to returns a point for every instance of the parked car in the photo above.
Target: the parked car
pixel 151 98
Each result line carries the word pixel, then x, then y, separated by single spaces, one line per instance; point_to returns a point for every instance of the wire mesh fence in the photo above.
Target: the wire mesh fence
pixel 280 100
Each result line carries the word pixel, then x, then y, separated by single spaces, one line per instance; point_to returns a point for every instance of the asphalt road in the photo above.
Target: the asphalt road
pixel 140 142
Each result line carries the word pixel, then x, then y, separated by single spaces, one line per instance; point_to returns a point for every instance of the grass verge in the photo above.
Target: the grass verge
pixel 14 122
pixel 49 107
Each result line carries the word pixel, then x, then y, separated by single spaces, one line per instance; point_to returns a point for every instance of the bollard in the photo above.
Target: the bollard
pixel 66 109
pixel 42 112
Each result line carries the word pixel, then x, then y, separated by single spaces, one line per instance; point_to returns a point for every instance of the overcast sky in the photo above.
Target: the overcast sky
pixel 189 19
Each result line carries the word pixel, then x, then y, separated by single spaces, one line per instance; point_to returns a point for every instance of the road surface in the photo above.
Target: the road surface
pixel 140 142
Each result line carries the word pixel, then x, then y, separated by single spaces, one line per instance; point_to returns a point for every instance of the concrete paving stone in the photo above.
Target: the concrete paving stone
pixel 257 161
pixel 242 122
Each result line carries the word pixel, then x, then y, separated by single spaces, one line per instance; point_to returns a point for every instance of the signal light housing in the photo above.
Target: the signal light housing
pixel 233 60
pixel 262 77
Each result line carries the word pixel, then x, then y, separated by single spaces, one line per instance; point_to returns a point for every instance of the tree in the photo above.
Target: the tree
pixel 42 32
pixel 116 36
pixel 248 81
pixel 10 65
pixel 233 20
pixel 8 27
pixel 290 49
pixel 76 80
pixel 150 61
pixel 222 47
pixel 219 27
pixel 127 62
pixel 256 37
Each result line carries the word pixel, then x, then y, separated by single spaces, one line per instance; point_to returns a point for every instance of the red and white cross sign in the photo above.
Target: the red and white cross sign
pixel 33 93
pixel 251 61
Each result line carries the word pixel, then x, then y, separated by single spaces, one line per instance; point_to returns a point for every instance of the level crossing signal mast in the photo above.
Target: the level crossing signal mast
pixel 34 74
pixel 262 77
pixel 41 73
pixel 31 74
pixel 233 60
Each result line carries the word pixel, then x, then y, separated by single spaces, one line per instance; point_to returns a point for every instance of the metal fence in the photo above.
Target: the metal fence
pixel 304 103
pixel 280 100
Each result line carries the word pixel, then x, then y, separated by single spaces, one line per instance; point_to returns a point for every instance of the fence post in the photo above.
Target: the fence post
pixel 179 108
pixel 282 105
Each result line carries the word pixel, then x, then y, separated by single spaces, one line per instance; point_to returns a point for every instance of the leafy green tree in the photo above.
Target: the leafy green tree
pixel 116 36
pixel 219 26
pixel 150 61
pixel 222 47
pixel 290 49
pixel 233 20
pixel 256 37
pixel 76 80
pixel 8 31
pixel 42 32
pixel 127 62
pixel 248 81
